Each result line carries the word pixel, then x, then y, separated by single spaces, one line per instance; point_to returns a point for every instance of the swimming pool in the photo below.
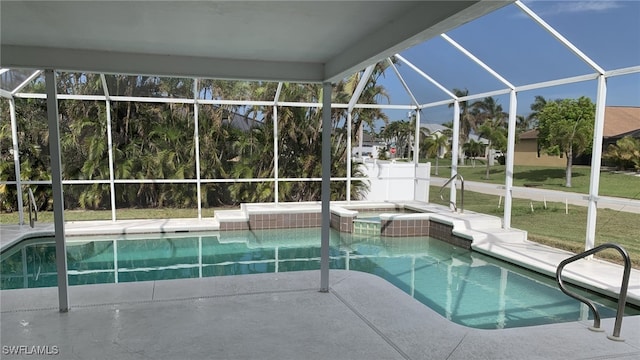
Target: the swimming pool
pixel 466 287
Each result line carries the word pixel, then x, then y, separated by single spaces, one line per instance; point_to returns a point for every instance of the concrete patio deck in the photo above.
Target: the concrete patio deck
pixel 283 316
pixel 277 316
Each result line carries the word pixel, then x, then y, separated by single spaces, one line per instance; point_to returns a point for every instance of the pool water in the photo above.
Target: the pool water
pixel 466 287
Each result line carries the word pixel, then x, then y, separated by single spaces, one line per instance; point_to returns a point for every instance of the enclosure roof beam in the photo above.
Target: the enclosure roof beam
pixel 424 75
pixel 478 61
pixel 404 83
pixel 623 71
pixel 276 97
pixel 559 36
pixel 26 81
pixel 361 84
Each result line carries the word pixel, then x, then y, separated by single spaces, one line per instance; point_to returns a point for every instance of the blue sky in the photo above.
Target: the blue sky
pixel 521 51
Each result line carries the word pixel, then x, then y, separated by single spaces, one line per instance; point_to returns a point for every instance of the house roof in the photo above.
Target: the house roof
pixel 529 134
pixel 433 128
pixel 305 41
pixel 368 138
pixel 621 120
pixel 478 138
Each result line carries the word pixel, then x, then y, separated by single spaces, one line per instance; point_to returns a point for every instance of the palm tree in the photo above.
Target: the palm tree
pixel 624 154
pixel 255 159
pixel 156 140
pixel 435 145
pixel 537 106
pixel 496 135
pixel 33 138
pixel 371 94
pixel 474 148
pixel 398 132
pixel 468 120
pixel 492 120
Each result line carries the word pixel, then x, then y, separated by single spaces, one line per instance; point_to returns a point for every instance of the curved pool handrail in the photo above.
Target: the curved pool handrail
pixel 452 203
pixel 622 298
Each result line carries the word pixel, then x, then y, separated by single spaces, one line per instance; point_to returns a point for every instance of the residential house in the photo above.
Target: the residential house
pixel 370 147
pixel 619 121
pixel 437 130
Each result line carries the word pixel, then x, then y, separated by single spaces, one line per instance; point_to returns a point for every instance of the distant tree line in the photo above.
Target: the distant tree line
pixel 156 141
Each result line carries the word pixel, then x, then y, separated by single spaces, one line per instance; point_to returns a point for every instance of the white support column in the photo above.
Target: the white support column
pixel 276 168
pixel 196 138
pixel 16 159
pixel 502 298
pixel 596 156
pixel 25 268
pixel 416 154
pixel 58 196
pixel 360 140
pixel 348 154
pixel 326 188
pixel 276 157
pixel 413 276
pixel 511 141
pixel 454 149
pixel 416 142
pixel 112 184
pixel 199 256
pixel 116 277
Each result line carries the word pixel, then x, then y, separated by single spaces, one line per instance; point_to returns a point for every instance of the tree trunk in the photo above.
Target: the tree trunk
pixel 487 174
pixel 437 158
pixel 488 151
pixel 569 155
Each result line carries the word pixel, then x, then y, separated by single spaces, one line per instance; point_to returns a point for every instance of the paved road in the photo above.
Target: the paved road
pixel 535 194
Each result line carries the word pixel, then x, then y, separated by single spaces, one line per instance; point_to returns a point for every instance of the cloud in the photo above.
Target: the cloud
pixel 563 7
pixel 585 6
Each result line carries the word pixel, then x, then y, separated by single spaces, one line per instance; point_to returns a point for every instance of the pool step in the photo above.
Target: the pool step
pixel 366 227
pixel 481 236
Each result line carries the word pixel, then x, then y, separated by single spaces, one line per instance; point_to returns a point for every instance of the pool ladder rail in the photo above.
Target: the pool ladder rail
pixel 33 209
pixel 622 298
pixel 452 203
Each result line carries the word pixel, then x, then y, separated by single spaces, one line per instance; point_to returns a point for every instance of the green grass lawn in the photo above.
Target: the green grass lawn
pixel 615 184
pixel 551 226
pixel 121 214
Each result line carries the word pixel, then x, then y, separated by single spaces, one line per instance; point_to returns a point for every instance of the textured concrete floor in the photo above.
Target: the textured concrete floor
pixel 277 316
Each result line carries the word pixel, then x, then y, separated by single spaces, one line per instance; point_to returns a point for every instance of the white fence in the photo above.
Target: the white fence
pixel 395 181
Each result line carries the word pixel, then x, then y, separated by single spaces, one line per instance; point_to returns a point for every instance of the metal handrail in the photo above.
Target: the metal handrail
pixel 32 204
pixel 455 208
pixel 622 298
